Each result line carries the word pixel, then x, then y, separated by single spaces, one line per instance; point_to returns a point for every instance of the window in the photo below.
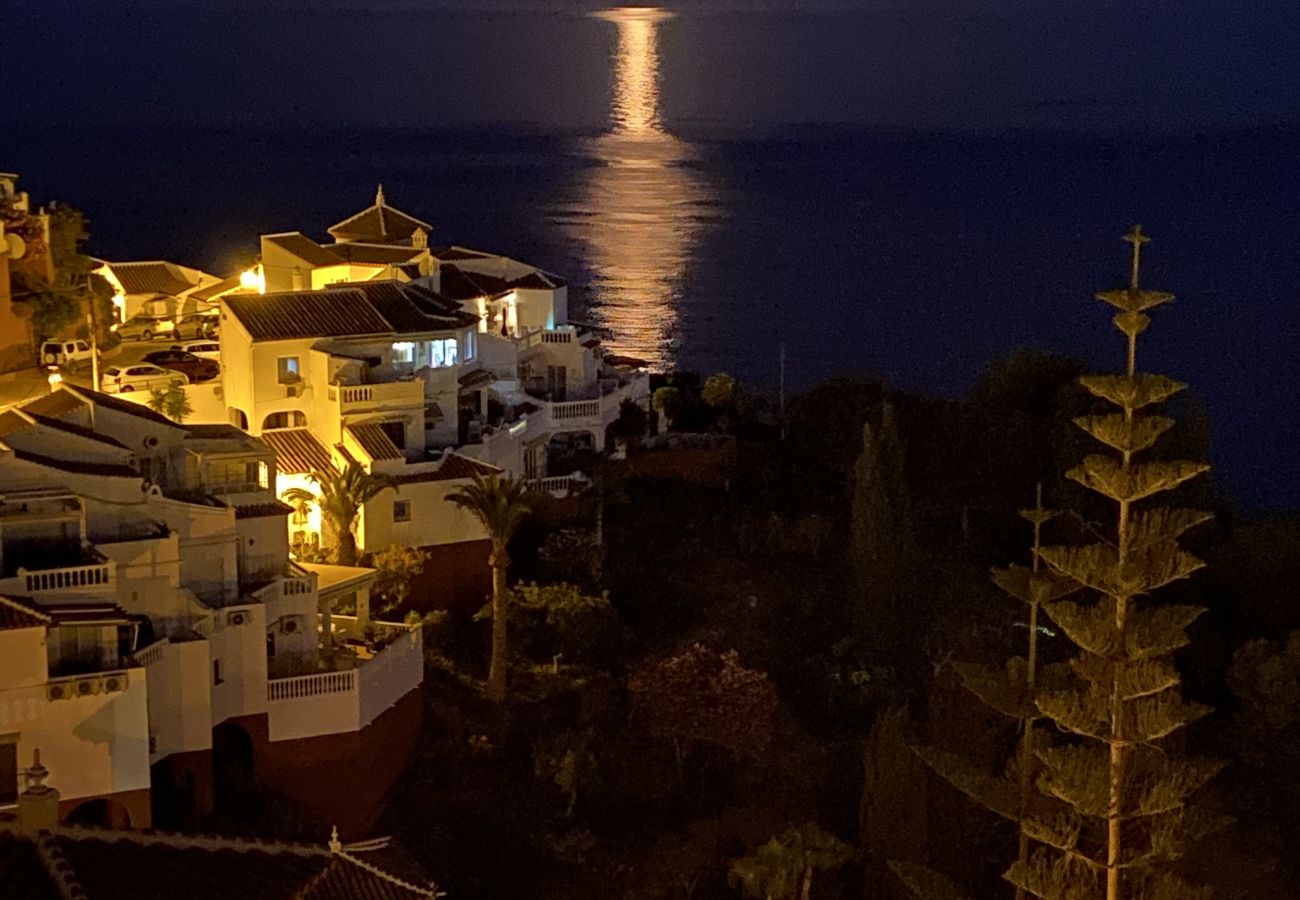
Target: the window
pixel 401 510
pixel 396 432
pixel 8 768
pixel 236 476
pixel 443 353
pixel 216 672
pixel 404 355
pixel 290 419
pixel 287 370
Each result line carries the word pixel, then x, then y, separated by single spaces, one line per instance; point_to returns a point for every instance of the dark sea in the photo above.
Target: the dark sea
pixel 911 194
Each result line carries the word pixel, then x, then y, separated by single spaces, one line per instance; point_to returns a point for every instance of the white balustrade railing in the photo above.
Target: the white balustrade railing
pixel 395 671
pixel 68 579
pixel 556 484
pixel 302 686
pixel 575 409
pixel 153 653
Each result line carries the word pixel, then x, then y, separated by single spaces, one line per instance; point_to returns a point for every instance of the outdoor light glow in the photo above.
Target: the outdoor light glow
pixel 54 378
pixel 253 279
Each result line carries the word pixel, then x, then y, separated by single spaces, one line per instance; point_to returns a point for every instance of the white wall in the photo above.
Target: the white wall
pixel 23 660
pixel 97 744
pixel 241 650
pixel 433 520
pixel 180 699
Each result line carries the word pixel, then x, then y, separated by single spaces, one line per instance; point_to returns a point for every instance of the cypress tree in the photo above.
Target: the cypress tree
pixel 1124 816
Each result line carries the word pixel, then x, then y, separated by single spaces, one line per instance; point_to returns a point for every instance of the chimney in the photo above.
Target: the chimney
pixel 38 805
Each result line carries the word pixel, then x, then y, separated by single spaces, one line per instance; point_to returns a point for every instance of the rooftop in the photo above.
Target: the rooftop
pixel 378 223
pixel 374 441
pixel 453 466
pixel 297 451
pixel 304 248
pixel 18 612
pixel 96 864
pixel 375 308
pixel 156 277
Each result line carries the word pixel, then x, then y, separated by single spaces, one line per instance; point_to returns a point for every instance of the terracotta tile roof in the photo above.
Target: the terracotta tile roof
pixel 150 278
pixel 108 401
pixel 55 404
pixel 375 254
pixel 304 248
pixel 85 612
pixel 97 864
pixel 10 422
pixel 80 467
pixel 452 254
pixel 23 870
pixel 73 428
pixel 538 281
pixel 219 287
pixel 304 314
pixel 461 285
pixel 453 466
pixel 297 452
pixel 378 223
pixel 374 441
pixel 412 308
pixel 262 510
pixel 20 613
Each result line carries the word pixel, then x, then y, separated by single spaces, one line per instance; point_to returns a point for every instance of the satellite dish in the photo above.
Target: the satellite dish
pixel 15 246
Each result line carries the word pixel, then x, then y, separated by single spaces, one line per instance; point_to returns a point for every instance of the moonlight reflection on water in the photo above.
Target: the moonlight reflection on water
pixel 638 212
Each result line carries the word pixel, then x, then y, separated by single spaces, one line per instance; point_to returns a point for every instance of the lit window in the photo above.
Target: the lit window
pixel 263 475
pixel 404 355
pixel 401 510
pixel 288 370
pixel 444 353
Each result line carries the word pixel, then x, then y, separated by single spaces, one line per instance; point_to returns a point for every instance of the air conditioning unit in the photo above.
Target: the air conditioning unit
pixel 290 624
pixel 115 682
pixel 293 390
pixel 239 617
pixel 60 691
pixel 86 687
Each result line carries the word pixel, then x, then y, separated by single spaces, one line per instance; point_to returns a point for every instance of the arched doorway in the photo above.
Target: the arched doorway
pixel 232 763
pixel 99 813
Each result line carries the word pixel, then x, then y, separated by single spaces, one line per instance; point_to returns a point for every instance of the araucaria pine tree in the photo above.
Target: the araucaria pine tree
pixel 1009 690
pixel 1124 817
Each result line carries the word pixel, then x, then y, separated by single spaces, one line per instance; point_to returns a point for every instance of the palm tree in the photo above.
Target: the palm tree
pixel 342 495
pixel 500 503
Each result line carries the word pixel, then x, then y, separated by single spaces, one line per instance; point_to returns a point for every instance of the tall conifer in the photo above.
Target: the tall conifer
pixel 1124 816
pixel 1009 690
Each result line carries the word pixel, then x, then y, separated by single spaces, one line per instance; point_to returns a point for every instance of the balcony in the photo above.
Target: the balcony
pixel 354 398
pixel 99 578
pixel 367 680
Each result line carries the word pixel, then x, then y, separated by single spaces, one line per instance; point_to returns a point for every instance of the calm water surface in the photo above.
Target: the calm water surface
pixel 892 194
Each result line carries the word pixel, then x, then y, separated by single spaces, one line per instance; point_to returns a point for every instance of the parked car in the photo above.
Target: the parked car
pixel 201 349
pixel 145 328
pixel 67 355
pixel 195 369
pixel 197 325
pixel 142 377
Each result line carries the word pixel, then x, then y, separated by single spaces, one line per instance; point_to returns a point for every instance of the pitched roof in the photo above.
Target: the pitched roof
pixel 303 314
pixel 297 452
pixel 55 403
pixel 453 466
pixel 16 612
pixel 217 287
pixel 458 284
pixel 86 611
pixel 304 248
pixel 262 510
pixel 375 254
pixel 451 254
pixel 156 277
pixel 78 466
pixel 99 864
pixel 539 280
pixel 374 441
pixel 74 428
pixel 108 401
pixel 378 223
pixel 343 310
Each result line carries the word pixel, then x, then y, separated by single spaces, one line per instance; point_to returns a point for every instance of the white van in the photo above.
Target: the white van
pixel 67 355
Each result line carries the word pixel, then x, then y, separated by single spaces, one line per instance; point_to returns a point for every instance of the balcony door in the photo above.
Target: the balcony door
pixel 557 382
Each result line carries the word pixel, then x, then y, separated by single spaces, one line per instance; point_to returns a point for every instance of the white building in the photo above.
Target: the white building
pixel 159 288
pixel 426 364
pixel 154 633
